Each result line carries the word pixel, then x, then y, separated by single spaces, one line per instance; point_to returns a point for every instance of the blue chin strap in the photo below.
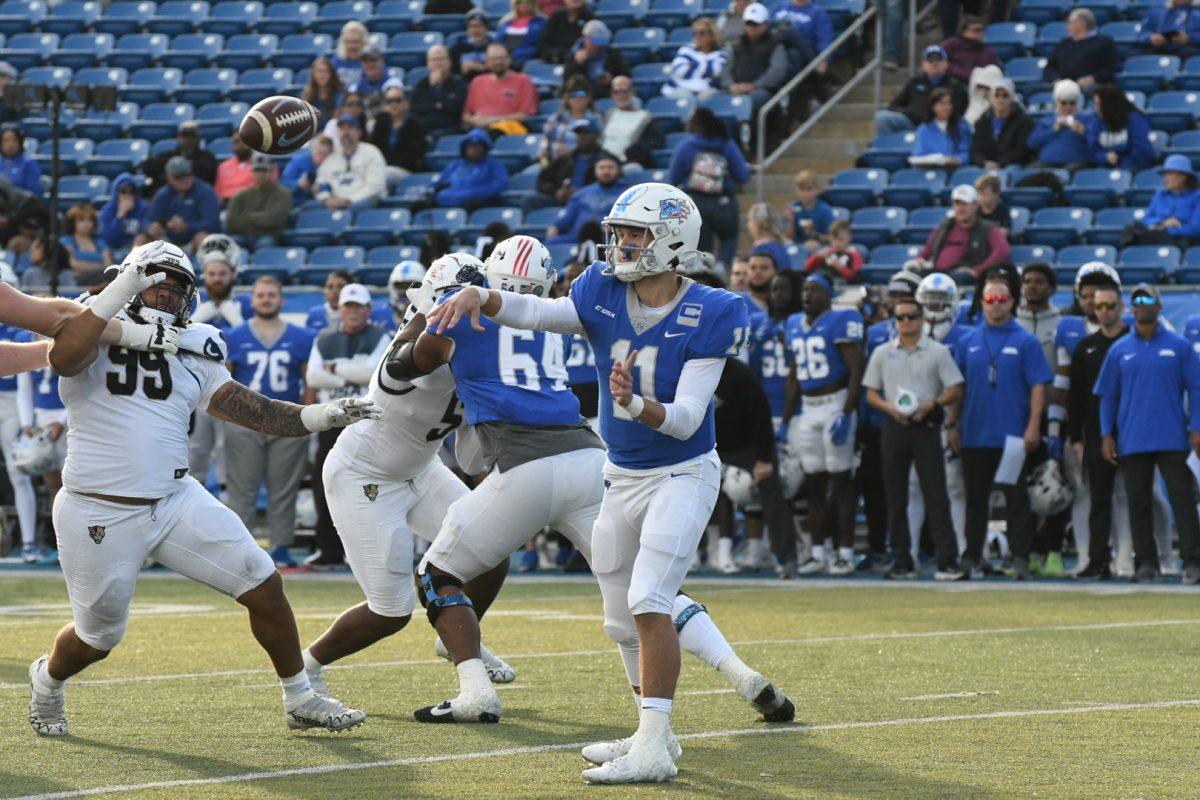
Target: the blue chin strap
pixel 435 603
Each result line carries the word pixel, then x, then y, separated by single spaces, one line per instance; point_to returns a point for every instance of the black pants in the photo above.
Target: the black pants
pixel 902 447
pixel 869 477
pixel 1101 476
pixel 1138 470
pixel 777 509
pixel 979 474
pixel 325 533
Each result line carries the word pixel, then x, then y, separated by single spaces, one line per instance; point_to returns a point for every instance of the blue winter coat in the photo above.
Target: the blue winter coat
pixel 471 183
pixel 119 231
pixel 23 172
pixel 932 139
pixel 1063 146
pixel 1132 144
pixel 1183 206
pixel 589 204
pixel 689 148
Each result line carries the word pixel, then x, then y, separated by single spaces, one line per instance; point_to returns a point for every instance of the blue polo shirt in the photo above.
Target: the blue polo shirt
pixel 993 410
pixel 1141 388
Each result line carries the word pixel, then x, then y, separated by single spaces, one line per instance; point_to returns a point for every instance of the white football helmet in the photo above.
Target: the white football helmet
pixel 791 473
pixel 165 257
pixel 938 296
pixel 219 247
pixel 903 283
pixel 404 276
pixel 448 272
pixel 738 485
pixel 1049 492
pixel 523 265
pixel 1096 268
pixel 672 224
pixel 33 454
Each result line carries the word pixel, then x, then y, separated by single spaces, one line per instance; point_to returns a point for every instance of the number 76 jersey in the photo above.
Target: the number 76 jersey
pixel 819 363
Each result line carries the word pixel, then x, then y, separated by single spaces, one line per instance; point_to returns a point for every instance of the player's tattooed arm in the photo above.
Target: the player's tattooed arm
pixel 235 403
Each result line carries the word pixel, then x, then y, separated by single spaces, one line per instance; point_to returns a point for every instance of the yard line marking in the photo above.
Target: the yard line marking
pixel 861 637
pixel 947 696
pixel 696 692
pixel 554 748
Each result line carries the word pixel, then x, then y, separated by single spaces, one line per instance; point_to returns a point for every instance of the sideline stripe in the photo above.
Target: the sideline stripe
pixel 862 637
pixel 553 748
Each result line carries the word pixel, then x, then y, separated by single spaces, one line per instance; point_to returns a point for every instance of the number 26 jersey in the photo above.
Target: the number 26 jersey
pixel 819 363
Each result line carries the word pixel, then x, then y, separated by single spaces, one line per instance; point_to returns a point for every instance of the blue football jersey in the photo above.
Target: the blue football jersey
pixel 1191 331
pixel 509 375
pixel 381 315
pixel 273 371
pixel 10 334
pixel 954 336
pixel 45 380
pixel 1070 331
pixel 819 363
pixel 878 333
pixel 770 358
pixel 702 323
pixel 581 362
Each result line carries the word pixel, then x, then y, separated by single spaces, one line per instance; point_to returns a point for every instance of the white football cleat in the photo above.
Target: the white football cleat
pixel 644 763
pixel 320 711
pixel 764 698
pixel 497 668
pixel 47 710
pixel 484 708
pixel 603 752
pixel 317 681
pixel 811 566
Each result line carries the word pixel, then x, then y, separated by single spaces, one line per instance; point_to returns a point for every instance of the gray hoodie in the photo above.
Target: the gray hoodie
pixel 1043 325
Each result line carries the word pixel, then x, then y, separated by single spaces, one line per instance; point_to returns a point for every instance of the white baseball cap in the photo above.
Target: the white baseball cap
pixel 355 293
pixel 756 13
pixel 963 193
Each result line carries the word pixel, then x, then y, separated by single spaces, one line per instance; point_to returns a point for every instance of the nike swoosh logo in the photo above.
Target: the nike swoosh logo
pixel 442 710
pixel 672 335
pixel 285 141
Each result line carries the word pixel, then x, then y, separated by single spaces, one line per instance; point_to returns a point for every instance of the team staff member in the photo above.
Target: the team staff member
pixel 911 380
pixel 1083 426
pixel 1006 375
pixel 1141 388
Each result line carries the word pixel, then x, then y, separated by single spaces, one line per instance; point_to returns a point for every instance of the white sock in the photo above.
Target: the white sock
pixel 45 682
pixel 818 552
pixel 756 550
pixel 655 723
pixel 296 689
pixel 846 553
pixel 700 636
pixel 311 665
pixel 734 669
pixel 724 548
pixel 473 677
pixel 663 704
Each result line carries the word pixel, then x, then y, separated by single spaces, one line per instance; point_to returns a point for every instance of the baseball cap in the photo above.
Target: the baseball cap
pixel 965 193
pixel 355 293
pixel 1145 290
pixel 260 161
pixel 178 167
pixel 190 127
pixel 756 13
pixel 585 124
pixel 598 32
pixel 934 52
pixel 351 119
pixel 371 54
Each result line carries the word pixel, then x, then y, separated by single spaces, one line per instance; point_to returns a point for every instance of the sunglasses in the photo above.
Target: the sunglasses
pixel 1144 300
pixel 1068 102
pixel 998 93
pixel 993 299
pixel 580 93
pixel 394 101
pixel 1104 306
pixel 907 317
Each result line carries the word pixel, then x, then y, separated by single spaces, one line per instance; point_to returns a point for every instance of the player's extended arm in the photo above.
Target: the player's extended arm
pixel 507 308
pixel 18 357
pixel 681 417
pixel 856 363
pixel 409 360
pixel 242 406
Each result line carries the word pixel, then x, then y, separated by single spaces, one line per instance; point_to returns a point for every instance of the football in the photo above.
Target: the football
pixel 279 125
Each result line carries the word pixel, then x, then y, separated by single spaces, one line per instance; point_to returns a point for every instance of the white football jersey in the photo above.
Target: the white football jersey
pixel 128 415
pixel 416 417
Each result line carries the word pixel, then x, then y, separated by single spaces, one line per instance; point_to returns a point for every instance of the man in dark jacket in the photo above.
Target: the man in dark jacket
pixel 204 164
pixel 591 203
pixel 563 29
pixel 470 52
pixel 474 180
pixel 1086 57
pixel 1001 134
pixel 909 108
pixel 758 63
pixel 571 171
pixel 400 136
pixel 438 98
pixel 593 57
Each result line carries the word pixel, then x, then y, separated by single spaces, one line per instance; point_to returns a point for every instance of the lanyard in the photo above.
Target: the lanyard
pixel 992 358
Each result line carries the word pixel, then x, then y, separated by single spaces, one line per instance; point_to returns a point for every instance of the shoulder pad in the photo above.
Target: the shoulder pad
pixel 204 341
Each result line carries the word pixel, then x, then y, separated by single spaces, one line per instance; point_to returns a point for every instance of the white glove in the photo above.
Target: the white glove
pixel 151 337
pixel 339 413
pixel 131 281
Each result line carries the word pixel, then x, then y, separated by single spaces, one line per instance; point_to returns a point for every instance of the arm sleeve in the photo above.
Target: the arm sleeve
pixel 681 162
pixel 1156 212
pixel 948 372
pixel 375 181
pixel 824 31
pixel 737 163
pixel 1107 63
pixel 568 216
pixel 1191 226
pixel 1040 133
pixel 527 312
pixel 1050 72
pixel 1191 378
pixel 697 384
pixel 1140 150
pixel 1077 397
pixel 25 399
pixel 776 72
pixel 1149 27
pixel 963 151
pixel 1000 252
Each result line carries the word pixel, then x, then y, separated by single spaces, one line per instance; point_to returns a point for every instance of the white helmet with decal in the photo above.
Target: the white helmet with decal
pixel 938 296
pixel 404 275
pixel 523 265
pixel 219 247
pixel 174 307
pixel 448 272
pixel 672 225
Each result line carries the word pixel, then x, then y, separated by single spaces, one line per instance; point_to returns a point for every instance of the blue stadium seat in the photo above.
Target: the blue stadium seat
pixel 71 16
pixel 840 12
pixel 1028 253
pixel 72 151
pixel 162 146
pixel 520 186
pixel 125 16
pixel 1040 12
pixel 1148 73
pixel 138 50
pixel 1158 143
pixel 323 260
pixel 231 17
pixel 537 221
pixel 1125 33
pixel 447 220
pixel 1011 39
pixel 374 227
pixel 1026 73
pixel 206 85
pixel 1048 36
pixel 562 254
pixel 20 16
pixel 1109 223
pixel 80 50
pixel 618 14
pixel 1070 259
pixel 100 76
pixel 221 148
pixel 649 78
pixel 248 51
pixel 1058 227
pixel 855 188
pixel 1107 11
pixel 220 119
pixel 677 38
pixel 317 227
pixel 1019 218
pixel 446 149
pixel 517 151
pixel 49 76
pixel 397 16
pixel 733 109
pixel 1145 184
pixel 179 16
pixel 893 256
pixel 921 221
pixel 1188 78
pixel 281 262
pixel 671 113
pixel 1098 188
pixel 1031 197
pixel 37 124
pixel 161 120
pixel 1174 111
pixel 877 225
pixel 408 49
pixel 390 255
pixel 495 8
pixel 913 188
pixel 411 188
pixel 25 50
pixel 890 151
pixel 483 217
pixel 255 84
pixel 333 15
pixel 193 50
pixel 297 50
pixel 969 174
pixel 543 75
pixel 288 17
pixel 667 14
pixel 638 44
pixel 75 189
pixel 1187 143
pixel 151 85
pixel 1151 262
pixel 107 124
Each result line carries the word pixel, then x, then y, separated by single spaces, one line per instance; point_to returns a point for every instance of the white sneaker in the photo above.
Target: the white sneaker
pixel 811 566
pixel 317 681
pixel 322 712
pixel 497 668
pixel 764 698
pixel 603 752
pixel 726 564
pixel 47 710
pixel 841 567
pixel 484 708
pixel 648 762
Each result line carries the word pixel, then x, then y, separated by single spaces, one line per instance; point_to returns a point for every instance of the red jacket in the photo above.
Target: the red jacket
pixel 844 263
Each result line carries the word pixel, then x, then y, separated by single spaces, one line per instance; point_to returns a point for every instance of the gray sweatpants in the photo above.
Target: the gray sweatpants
pixel 252 458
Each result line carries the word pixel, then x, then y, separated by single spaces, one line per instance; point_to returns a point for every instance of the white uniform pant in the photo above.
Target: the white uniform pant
pixel 956 488
pixel 206 444
pixel 376 523
pixel 1081 505
pixel 504 511
pixel 810 435
pixel 102 545
pixel 24 497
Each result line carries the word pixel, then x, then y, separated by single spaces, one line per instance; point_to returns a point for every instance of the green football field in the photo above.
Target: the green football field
pixel 914 691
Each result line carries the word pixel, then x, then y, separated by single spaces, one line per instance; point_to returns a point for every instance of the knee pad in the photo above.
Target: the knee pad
pixel 435 603
pixel 621 632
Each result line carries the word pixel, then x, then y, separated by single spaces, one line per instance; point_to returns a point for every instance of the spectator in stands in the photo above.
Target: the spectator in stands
pixel 355 177
pixel 469 52
pixel 697 66
pixel 1173 216
pixel 730 23
pixel 474 180
pixel 763 229
pixel 186 209
pixel 1118 135
pixel 259 213
pixel 88 255
pixel 630 132
pixel 374 75
pixel 758 61
pixel 808 216
pixel 234 173
pixel 400 136
pixel 907 110
pixel 1145 428
pixel 944 139
pixel 300 174
pixel 964 244
pixel 1085 56
pixel 438 98
pixel 739 276
pixel 591 203
pixel 20 169
pixel 559 130
pixel 1060 139
pixel 500 99
pixel 1002 134
pixel 520 30
pixel 8 74
pixel 347 60
pixel 992 207
pixel 324 89
pixel 563 29
pixel 710 167
pixel 967 50
pixel 203 163
pixel 571 171
pixel 593 57
pixel 807 30
pixel 979 92
pixel 840 261
pixel 1170 29
pixel 125 217
pixel 448 6
pixel 325 314
pixel 34 264
pixel 354 106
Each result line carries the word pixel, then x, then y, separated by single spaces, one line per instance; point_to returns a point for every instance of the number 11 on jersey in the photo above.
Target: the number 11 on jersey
pixel 643 372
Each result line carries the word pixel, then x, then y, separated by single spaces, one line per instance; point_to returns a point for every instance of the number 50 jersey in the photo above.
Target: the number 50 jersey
pixel 818 361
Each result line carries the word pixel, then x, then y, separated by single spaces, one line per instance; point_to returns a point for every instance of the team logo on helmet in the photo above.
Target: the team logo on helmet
pixel 371 490
pixel 673 208
pixel 96 532
pixel 469 275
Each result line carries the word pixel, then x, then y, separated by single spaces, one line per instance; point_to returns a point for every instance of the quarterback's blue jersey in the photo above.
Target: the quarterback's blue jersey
pixel 10 334
pixel 509 375
pixel 770 358
pixel 878 333
pixel 272 371
pixel 581 362
pixel 703 323
pixel 819 363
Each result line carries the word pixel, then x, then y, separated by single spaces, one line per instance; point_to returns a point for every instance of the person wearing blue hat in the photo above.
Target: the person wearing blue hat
pixel 1173 216
pixel 907 110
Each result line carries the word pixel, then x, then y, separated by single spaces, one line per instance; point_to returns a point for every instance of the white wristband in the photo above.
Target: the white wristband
pixel 636 406
pixel 484 294
pixel 108 303
pixel 313 417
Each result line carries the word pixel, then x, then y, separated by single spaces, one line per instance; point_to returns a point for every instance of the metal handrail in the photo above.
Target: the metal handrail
pixel 763 160
pixel 914 17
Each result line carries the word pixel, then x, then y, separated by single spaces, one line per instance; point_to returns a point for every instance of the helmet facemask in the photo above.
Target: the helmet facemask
pixel 168 302
pixel 632 262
